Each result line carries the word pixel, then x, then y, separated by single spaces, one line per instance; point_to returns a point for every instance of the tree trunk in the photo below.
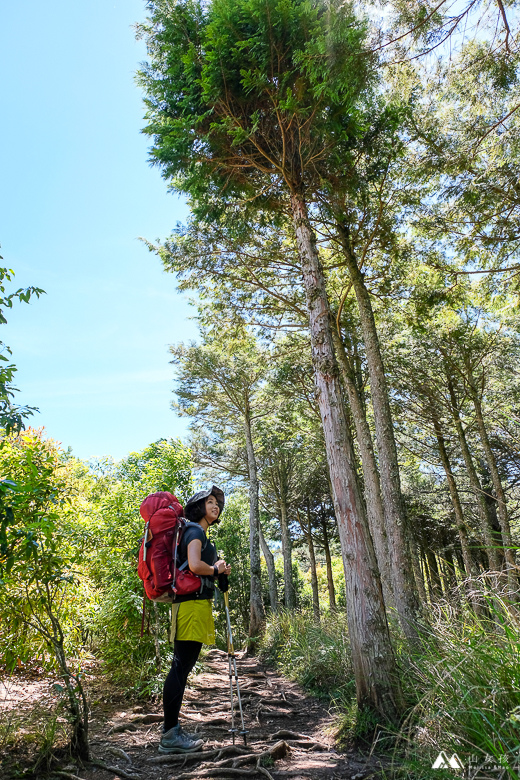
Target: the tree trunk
pixel 271 570
pixel 312 561
pixel 374 502
pixel 328 563
pixel 289 597
pixel 418 573
pixel 435 577
pixel 307 531
pixel 257 614
pixel 374 665
pixel 427 577
pixel 448 565
pixel 78 709
pixel 405 594
pixel 469 565
pixel 483 512
pixel 503 515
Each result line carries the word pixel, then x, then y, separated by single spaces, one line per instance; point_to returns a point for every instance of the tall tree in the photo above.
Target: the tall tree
pixel 218 382
pixel 243 98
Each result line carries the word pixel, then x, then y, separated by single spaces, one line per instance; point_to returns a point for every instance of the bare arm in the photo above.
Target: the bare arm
pixel 197 566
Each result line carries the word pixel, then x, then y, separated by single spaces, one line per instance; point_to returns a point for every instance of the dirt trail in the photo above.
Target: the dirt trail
pixel 289 733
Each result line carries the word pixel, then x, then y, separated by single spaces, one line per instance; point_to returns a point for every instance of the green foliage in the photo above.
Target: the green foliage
pixel 317 655
pixel 69 541
pixel 164 465
pixel 43 543
pixel 12 417
pixel 116 495
pixel 303 578
pixel 468 679
pixel 232 541
pixel 248 95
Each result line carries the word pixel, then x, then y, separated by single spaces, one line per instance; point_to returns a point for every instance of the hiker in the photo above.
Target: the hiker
pixel 192 617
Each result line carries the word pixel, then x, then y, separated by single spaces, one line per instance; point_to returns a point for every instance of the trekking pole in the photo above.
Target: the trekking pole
pixel 233 672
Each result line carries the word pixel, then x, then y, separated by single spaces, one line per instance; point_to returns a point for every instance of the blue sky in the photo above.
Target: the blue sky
pixel 76 193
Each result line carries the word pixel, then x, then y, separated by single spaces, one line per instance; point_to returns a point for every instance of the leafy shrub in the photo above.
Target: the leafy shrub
pixel 317 655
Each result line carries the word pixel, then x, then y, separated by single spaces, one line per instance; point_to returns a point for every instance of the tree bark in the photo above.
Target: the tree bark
pixel 271 570
pixel 328 563
pixel 289 596
pixel 374 502
pixel 503 515
pixel 307 532
pixel 373 660
pixel 312 562
pixel 469 565
pixel 435 577
pixel 482 509
pixel 257 614
pixel 448 569
pixel 418 573
pixel 427 577
pixel 405 594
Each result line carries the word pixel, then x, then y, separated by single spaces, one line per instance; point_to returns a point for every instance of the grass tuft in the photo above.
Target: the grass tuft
pixel 463 689
pixel 468 679
pixel 317 655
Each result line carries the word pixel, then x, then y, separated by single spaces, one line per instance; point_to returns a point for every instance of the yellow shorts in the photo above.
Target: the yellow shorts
pixel 193 621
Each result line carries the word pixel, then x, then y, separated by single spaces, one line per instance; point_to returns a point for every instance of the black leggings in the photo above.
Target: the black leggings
pixel 184 658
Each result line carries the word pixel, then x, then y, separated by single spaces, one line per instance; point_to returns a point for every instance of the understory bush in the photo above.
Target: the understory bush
pixel 469 702
pixel 317 655
pixel 130 659
pixel 464 687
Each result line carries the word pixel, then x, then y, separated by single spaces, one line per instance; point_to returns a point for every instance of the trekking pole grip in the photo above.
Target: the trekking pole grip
pixel 223 583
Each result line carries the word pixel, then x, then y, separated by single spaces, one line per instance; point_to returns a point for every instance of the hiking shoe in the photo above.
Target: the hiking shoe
pixel 175 741
pixel 194 735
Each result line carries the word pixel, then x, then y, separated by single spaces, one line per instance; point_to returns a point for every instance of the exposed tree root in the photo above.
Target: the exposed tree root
pixel 308 747
pixel 218 772
pixel 151 717
pixel 118 752
pixel 272 713
pixel 115 769
pixel 130 726
pixel 188 716
pixel 285 734
pixel 230 750
pixel 278 703
pixel 263 770
pixel 232 766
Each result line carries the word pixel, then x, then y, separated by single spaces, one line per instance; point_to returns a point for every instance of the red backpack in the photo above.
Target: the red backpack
pixel 157 567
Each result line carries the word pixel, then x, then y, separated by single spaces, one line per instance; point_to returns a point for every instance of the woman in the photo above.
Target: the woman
pixel 192 620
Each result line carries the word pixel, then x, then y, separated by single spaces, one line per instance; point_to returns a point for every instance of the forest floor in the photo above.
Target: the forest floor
pixel 290 734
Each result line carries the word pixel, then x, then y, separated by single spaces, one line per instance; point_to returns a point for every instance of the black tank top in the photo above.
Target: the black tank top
pixel 208 554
